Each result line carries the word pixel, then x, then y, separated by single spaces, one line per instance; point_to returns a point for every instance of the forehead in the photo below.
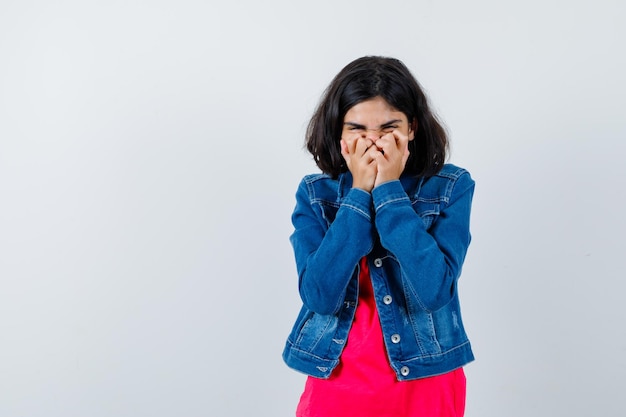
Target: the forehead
pixel 373 111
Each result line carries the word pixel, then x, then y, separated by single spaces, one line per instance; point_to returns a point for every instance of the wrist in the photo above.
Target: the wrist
pixel 362 188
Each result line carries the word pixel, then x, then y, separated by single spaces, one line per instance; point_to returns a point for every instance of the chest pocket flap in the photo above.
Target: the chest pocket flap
pixel 428 210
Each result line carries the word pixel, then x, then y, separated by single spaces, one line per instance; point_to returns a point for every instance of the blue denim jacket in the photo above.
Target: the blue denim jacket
pixel 415 234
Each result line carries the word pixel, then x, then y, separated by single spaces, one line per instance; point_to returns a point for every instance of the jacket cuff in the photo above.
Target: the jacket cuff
pixel 389 192
pixel 359 201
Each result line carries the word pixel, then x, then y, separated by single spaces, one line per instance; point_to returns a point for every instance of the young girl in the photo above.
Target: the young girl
pixel 380 238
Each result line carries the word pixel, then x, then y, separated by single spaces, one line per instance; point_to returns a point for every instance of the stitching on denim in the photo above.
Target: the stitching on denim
pixel 435 340
pixel 417 297
pixel 449 188
pixel 409 305
pixel 310 179
pixel 321 335
pixel 421 357
pixel 397 348
pixel 392 200
pixel 451 174
pixel 405 361
pixel 434 200
pixel 307 353
pixel 454 177
pixel 358 210
pixel 321 201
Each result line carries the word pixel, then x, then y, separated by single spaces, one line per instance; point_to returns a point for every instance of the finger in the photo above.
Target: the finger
pixel 351 142
pixel 402 142
pixel 405 156
pixel 401 139
pixel 345 153
pixel 362 146
pixel 395 142
pixel 387 144
pixel 344 148
pixel 374 153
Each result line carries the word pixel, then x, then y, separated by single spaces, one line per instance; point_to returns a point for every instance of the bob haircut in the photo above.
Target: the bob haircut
pixel 366 78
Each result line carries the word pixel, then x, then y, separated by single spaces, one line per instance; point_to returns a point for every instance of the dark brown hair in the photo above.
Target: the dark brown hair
pixel 363 79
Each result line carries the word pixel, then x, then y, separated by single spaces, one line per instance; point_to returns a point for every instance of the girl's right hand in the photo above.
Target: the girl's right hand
pixel 360 155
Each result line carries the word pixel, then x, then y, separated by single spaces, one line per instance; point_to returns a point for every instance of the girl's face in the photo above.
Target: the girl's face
pixel 374 118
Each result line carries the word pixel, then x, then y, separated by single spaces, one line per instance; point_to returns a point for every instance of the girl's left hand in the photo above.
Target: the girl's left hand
pixel 392 160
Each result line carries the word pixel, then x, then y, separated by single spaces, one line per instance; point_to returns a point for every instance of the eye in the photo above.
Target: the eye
pixel 390 128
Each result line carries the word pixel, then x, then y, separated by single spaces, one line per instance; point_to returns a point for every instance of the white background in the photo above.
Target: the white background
pixel 150 152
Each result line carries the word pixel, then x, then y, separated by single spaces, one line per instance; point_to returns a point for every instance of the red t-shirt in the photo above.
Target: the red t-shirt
pixel 365 385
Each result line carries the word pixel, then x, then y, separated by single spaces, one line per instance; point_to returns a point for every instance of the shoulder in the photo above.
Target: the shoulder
pixel 315 178
pixel 448 184
pixel 452 172
pixel 324 187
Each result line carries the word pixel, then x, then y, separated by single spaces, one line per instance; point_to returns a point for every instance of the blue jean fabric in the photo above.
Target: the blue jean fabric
pixel 415 234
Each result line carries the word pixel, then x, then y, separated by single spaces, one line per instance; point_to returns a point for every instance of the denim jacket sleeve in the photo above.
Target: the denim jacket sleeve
pixel 430 259
pixel 328 252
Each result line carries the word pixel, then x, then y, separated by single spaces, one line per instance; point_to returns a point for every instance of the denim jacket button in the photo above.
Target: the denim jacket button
pixel 378 262
pixel 395 338
pixel 387 299
pixel 405 370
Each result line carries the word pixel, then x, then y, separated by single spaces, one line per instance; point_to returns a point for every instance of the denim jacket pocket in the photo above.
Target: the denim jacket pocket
pixel 428 210
pixel 329 210
pixel 314 328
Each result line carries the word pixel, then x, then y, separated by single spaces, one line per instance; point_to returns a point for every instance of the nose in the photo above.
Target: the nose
pixel 372 135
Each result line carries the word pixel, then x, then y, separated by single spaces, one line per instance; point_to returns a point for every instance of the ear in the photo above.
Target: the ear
pixel 413 129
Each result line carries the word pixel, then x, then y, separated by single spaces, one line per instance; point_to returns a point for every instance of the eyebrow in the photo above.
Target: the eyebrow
pixel 391 122
pixel 386 124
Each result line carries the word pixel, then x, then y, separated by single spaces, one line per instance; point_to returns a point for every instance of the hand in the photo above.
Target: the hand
pixel 394 147
pixel 361 155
